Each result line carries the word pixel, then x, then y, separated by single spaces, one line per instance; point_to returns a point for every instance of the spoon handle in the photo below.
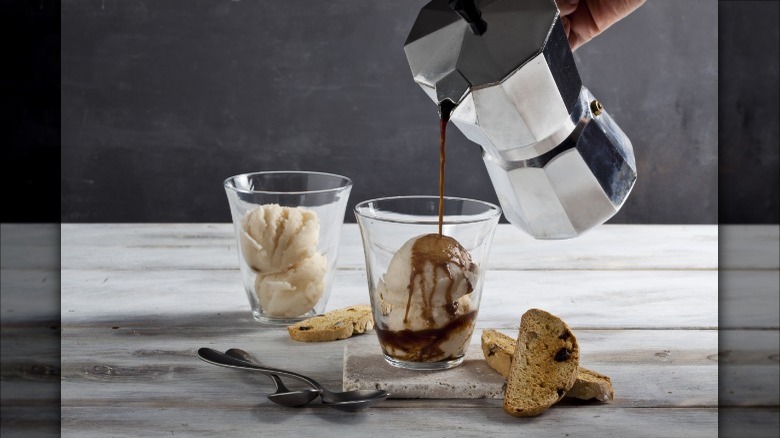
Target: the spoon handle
pixel 217 358
pixel 242 355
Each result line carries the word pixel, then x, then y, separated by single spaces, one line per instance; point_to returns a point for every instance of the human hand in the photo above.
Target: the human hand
pixel 584 19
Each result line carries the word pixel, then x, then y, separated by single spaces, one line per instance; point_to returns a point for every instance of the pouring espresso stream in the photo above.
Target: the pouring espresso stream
pixel 445 109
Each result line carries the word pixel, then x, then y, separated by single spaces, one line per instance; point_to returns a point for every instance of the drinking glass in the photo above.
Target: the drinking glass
pixel 425 291
pixel 288 225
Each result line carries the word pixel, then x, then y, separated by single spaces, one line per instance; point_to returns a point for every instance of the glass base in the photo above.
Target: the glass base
pixel 281 321
pixel 424 366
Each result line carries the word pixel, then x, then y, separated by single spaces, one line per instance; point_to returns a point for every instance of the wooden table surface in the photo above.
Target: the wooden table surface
pixel 138 300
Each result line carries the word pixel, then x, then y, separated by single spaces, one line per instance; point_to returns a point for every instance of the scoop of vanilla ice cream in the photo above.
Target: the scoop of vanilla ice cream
pixel 280 245
pixel 294 291
pixel 274 238
pixel 428 284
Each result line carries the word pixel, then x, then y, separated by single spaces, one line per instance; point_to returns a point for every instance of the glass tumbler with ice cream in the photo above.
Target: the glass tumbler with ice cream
pixel 425 287
pixel 288 226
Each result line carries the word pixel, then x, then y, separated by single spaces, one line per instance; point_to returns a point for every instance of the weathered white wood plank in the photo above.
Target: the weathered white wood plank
pixel 749 246
pixel 749 366
pixel 683 374
pixel 432 420
pixel 30 296
pixel 607 247
pixel 29 273
pixel 30 375
pixel 610 247
pixel 29 346
pixel 749 423
pixel 31 421
pixel 614 299
pixel 137 366
pixel 212 246
pixel 749 299
pixel 601 299
pixel 138 300
pixel 30 246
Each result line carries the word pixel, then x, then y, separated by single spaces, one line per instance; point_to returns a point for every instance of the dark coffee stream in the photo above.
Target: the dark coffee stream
pixel 445 109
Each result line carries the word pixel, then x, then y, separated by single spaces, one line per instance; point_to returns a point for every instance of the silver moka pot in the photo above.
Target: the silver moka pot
pixel 558 162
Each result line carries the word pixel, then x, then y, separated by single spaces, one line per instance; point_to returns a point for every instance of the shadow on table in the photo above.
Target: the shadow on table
pixel 30 334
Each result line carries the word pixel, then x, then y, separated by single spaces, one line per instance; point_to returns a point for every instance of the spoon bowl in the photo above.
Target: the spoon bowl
pixel 350 401
pixel 283 395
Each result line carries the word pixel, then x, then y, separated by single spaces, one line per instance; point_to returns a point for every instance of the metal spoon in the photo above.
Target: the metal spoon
pixel 345 401
pixel 283 396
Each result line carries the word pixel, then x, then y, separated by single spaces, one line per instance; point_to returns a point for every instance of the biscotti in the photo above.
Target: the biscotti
pixel 499 348
pixel 591 385
pixel 334 325
pixel 544 366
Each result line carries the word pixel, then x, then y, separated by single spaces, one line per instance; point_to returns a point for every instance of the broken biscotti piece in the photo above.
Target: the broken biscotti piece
pixel 499 348
pixel 591 384
pixel 544 366
pixel 334 325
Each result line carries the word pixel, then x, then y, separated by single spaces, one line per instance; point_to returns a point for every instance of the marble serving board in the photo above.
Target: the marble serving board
pixel 365 368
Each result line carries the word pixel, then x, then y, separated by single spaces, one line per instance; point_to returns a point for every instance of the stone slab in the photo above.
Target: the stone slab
pixel 365 368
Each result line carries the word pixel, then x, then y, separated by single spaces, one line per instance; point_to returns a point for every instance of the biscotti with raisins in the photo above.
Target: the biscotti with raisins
pixel 334 325
pixel 544 366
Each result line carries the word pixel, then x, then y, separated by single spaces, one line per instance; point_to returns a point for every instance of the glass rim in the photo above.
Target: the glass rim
pixel 347 181
pixel 493 211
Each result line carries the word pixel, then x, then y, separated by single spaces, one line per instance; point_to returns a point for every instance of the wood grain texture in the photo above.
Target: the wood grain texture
pixel 614 299
pixel 749 366
pixel 159 367
pixel 144 369
pixel 750 247
pixel 30 333
pixel 424 419
pixel 672 374
pixel 138 300
pixel 30 247
pixel 749 423
pixel 212 246
pixel 749 299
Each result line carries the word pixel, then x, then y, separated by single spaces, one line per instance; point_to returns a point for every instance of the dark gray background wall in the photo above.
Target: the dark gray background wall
pixel 749 111
pixel 162 100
